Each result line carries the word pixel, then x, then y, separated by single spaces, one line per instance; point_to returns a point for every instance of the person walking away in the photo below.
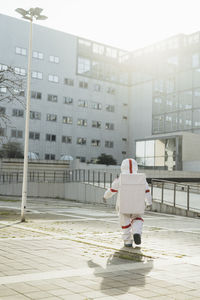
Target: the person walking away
pixel 133 192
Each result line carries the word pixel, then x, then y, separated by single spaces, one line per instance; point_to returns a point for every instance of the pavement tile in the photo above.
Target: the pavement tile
pixel 38 295
pixel 16 297
pixel 174 272
pixel 182 296
pixel 74 297
pixel 194 293
pixel 60 292
pixel 146 293
pixel 128 297
pixel 6 291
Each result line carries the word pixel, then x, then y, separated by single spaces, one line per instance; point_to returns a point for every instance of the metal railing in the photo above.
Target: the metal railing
pixel 176 194
pixel 97 178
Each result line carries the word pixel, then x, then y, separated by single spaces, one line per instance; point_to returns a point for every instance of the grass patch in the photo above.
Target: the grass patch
pixel 9 200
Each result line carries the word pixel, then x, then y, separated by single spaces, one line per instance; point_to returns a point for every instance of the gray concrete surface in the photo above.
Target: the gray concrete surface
pixel 70 250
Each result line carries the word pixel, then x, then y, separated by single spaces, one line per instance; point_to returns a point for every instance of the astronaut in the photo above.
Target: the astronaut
pixel 131 223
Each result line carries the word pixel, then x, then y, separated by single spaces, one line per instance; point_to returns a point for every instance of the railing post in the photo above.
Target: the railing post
pixel 174 194
pixel 54 175
pixel 44 176
pixel 188 198
pixel 84 175
pixel 93 177
pixel 152 189
pixel 98 178
pixel 88 176
pixel 162 193
pixel 104 179
pixel 110 179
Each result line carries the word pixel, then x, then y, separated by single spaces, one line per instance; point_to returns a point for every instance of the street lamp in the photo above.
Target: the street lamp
pixel 28 15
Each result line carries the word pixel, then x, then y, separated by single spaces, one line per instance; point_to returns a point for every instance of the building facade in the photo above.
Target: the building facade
pixel 79 104
pixel 88 98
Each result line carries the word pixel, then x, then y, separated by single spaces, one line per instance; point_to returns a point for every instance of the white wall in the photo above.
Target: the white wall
pixel 140 113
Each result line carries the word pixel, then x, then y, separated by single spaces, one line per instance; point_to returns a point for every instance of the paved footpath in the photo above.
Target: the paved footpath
pixel 69 250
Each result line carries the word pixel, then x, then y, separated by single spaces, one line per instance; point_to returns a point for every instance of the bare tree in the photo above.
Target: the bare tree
pixel 11 89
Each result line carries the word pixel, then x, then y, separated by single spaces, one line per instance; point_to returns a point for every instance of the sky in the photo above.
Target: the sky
pixel 125 24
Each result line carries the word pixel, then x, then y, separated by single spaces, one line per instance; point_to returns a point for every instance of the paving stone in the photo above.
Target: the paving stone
pixel 79 257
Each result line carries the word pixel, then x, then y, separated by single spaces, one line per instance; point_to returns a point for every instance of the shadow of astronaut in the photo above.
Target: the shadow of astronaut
pixel 117 282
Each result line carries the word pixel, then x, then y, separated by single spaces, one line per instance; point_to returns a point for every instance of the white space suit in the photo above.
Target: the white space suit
pixel 131 224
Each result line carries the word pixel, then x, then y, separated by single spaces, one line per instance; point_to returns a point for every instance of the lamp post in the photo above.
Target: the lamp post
pixel 28 15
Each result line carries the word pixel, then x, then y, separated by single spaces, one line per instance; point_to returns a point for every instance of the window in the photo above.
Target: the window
pixel 50 137
pixel 95 143
pixel 124 152
pixel 51 117
pixel 3 67
pixel 17 134
pixel 2 132
pixel 20 71
pixel 111 52
pixel 68 100
pixel 96 105
pixel 36 75
pixel 52 98
pixel 110 108
pixel 195 60
pixel 17 113
pixel 2 110
pixel 97 87
pixel 54 59
pixel 109 126
pixel 109 144
pixel 124 118
pixel 20 51
pixel 35 115
pixel 84 43
pixel 81 158
pixel 20 93
pixel 67 120
pixel 3 90
pixel 38 55
pixel 82 103
pixel 66 139
pixel 124 139
pixel 53 78
pixel 34 135
pixel 99 49
pixel 81 141
pixel 81 122
pixel 49 156
pixel 83 84
pixel 111 90
pixel 69 81
pixel 36 95
pixel 96 124
pixel 84 66
pixel 125 104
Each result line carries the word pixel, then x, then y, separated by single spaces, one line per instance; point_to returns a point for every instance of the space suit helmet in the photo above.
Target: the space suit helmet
pixel 129 166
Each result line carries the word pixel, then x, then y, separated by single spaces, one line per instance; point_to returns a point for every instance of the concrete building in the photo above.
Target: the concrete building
pixel 88 98
pixel 79 104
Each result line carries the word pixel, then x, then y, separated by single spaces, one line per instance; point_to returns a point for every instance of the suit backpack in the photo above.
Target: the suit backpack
pixel 132 193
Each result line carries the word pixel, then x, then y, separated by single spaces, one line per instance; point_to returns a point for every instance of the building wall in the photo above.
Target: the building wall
pixel 14 33
pixel 140 113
